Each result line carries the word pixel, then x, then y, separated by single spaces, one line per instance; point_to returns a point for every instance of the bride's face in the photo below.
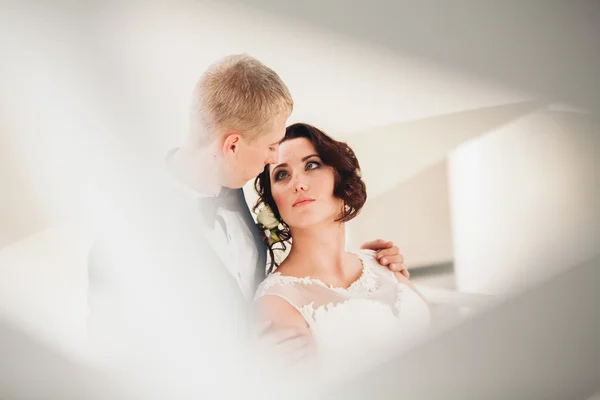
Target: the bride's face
pixel 302 186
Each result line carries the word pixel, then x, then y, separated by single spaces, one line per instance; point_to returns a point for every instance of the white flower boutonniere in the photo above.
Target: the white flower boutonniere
pixel 267 223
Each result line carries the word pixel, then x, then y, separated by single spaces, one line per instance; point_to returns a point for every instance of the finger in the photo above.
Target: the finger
pixel 292 345
pixel 277 338
pixel 377 245
pixel 397 259
pixel 390 251
pixel 403 270
pixel 394 267
pixel 281 335
pixel 297 356
pixel 298 351
pixel 386 261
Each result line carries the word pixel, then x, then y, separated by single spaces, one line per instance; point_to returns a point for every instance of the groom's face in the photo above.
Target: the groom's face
pixel 251 155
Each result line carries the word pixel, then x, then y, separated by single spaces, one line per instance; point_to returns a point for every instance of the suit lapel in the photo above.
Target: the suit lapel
pixel 261 266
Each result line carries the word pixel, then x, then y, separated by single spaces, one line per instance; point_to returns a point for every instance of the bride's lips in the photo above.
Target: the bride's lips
pixel 302 201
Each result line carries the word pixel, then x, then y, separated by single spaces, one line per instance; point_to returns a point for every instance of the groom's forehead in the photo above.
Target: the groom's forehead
pixel 273 138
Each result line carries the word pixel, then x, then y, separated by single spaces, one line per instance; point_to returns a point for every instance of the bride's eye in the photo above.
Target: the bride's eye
pixel 312 165
pixel 280 175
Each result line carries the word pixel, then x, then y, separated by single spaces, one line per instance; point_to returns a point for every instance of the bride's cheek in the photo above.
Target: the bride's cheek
pixel 279 198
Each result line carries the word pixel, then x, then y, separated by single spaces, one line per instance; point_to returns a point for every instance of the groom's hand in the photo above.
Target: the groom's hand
pixel 388 255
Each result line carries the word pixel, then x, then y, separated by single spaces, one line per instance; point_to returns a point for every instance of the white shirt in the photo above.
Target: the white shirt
pixel 234 243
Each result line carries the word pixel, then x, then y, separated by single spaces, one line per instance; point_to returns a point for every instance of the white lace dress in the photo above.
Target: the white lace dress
pixel 357 328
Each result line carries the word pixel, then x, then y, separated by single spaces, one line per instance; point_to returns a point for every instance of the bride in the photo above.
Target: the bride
pixel 353 312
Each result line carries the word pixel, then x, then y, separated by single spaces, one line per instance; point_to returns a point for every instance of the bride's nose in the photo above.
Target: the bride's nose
pixel 300 183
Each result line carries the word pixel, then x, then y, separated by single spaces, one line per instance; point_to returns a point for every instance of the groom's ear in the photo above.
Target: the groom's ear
pixel 231 143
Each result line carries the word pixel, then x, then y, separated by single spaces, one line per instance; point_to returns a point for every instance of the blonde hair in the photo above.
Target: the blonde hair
pixel 239 93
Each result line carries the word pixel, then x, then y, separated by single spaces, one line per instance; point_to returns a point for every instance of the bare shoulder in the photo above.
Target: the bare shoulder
pixel 285 268
pixel 280 311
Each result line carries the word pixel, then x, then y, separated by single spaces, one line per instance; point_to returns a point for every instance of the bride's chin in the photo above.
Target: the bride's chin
pixel 316 224
pixel 303 224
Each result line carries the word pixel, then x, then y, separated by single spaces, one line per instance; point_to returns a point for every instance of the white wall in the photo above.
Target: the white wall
pixel 43 284
pixel 20 213
pixel 415 215
pixel 404 167
pixel 524 201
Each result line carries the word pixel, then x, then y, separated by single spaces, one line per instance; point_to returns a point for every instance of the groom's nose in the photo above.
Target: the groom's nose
pixel 273 158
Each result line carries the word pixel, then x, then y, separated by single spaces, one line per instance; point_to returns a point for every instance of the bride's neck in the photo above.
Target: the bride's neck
pixel 321 248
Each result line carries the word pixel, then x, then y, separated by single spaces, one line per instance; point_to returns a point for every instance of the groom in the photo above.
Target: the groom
pixel 191 236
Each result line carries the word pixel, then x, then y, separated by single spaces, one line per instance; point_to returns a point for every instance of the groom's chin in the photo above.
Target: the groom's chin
pixel 235 183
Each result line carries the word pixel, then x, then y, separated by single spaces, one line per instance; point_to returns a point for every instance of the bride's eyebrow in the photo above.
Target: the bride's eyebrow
pixel 307 157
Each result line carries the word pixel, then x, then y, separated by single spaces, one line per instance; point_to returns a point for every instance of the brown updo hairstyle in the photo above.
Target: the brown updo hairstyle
pixel 348 185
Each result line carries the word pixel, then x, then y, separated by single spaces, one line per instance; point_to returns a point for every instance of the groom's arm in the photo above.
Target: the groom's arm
pixel 388 255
